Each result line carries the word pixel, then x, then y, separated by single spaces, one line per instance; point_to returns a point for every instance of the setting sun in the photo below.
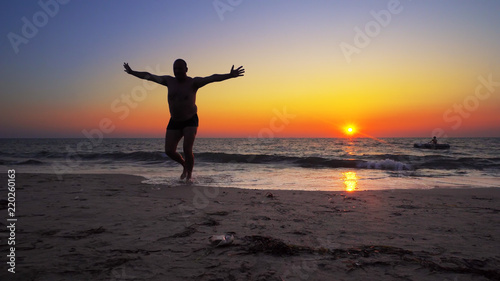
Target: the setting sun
pixel 349 130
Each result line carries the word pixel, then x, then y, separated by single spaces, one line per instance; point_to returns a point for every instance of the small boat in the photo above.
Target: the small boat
pixel 432 145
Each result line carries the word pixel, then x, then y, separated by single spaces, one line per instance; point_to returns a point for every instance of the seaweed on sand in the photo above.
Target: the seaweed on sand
pixel 375 255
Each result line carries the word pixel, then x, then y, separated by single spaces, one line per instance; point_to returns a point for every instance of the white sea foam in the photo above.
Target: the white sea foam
pixel 386 164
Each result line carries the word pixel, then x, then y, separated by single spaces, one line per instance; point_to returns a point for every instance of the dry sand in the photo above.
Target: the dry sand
pixel 113 227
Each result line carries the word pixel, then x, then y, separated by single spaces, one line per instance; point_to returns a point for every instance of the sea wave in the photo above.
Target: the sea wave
pixel 392 162
pixel 305 162
pixel 30 162
pixel 124 156
pixel 386 164
pixel 448 163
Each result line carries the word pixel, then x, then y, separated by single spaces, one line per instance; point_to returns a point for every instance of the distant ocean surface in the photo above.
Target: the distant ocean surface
pixel 295 164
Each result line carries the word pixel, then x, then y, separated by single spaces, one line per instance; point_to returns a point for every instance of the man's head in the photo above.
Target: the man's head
pixel 180 69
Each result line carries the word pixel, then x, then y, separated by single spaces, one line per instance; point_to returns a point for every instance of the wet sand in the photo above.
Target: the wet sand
pixel 113 227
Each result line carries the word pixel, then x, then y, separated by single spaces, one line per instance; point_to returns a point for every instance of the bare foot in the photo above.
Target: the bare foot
pixel 184 174
pixel 188 177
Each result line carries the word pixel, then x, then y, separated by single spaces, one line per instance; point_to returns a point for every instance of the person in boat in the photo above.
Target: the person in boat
pixel 434 140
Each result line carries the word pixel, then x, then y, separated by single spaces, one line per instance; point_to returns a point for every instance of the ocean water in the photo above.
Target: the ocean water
pixel 295 164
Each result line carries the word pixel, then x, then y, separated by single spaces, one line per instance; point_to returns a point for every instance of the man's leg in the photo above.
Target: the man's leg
pixel 189 136
pixel 172 139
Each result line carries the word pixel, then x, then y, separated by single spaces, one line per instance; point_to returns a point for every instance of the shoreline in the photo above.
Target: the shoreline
pixel 337 183
pixel 114 227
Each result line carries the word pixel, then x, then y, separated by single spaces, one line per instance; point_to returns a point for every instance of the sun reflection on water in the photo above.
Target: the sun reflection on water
pixel 350 181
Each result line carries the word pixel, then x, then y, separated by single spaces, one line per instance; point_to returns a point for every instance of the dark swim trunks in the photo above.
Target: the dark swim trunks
pixel 180 125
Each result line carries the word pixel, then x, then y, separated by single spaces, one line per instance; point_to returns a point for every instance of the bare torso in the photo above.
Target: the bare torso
pixel 181 98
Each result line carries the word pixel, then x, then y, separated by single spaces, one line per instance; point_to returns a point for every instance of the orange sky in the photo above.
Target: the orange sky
pixel 432 69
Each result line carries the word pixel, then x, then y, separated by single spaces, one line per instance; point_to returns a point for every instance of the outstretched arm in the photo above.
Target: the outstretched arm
pixel 145 75
pixel 202 81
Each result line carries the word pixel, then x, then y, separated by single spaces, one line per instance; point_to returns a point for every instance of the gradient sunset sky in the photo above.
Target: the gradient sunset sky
pixel 389 68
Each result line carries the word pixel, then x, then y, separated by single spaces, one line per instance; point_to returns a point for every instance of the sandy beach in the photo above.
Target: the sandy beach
pixel 113 227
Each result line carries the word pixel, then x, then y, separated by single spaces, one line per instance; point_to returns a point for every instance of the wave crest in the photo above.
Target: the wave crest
pixel 386 164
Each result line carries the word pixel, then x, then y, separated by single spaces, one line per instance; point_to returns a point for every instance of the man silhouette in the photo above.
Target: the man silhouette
pixel 183 110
